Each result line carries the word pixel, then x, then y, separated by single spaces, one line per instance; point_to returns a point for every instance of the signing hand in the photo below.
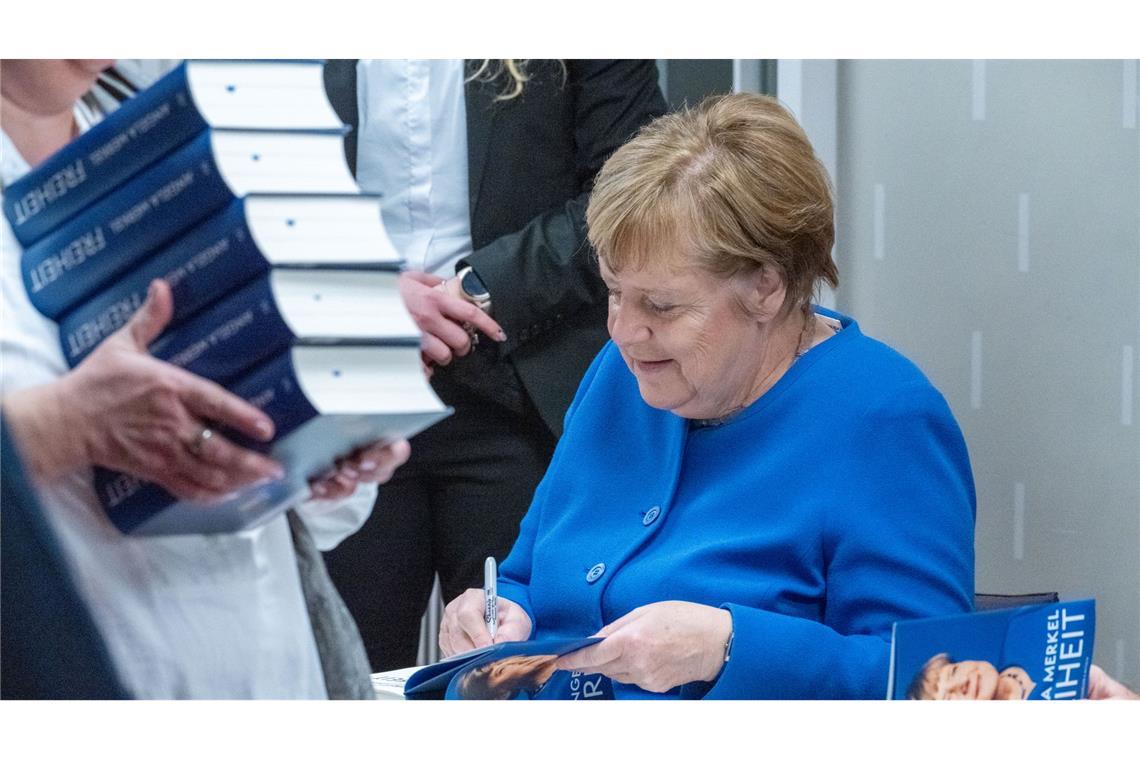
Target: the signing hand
pixel 123 409
pixel 658 646
pixel 463 627
pixel 442 314
pixel 371 464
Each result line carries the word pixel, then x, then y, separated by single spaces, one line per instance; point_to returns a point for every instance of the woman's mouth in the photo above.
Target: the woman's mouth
pixel 649 367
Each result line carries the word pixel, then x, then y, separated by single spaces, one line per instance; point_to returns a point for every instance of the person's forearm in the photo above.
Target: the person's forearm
pixel 49 442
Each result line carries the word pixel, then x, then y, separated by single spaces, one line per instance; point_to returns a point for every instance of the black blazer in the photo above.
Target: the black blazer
pixel 531 165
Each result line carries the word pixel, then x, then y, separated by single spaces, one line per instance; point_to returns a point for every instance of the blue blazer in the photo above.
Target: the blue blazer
pixel 837 503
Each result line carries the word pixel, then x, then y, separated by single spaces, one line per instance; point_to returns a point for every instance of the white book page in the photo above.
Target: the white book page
pixel 390 683
pixel 261 94
pixel 282 162
pixel 342 304
pixel 316 230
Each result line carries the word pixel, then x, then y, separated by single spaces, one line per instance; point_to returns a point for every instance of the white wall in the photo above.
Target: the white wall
pixel 989 228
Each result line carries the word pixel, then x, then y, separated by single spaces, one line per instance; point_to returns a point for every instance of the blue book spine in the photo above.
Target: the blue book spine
pixel 271 387
pixel 230 337
pixel 142 130
pixel 85 254
pixel 209 262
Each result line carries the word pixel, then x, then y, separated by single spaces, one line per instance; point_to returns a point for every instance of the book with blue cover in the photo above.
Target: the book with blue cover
pixel 325 402
pixel 519 670
pixel 241 242
pixel 1038 652
pixel 90 250
pixel 280 95
pixel 229 181
pixel 286 307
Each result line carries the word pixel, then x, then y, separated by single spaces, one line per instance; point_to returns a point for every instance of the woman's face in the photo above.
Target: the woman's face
pixel 969 679
pixel 521 670
pixel 686 338
pixel 49 85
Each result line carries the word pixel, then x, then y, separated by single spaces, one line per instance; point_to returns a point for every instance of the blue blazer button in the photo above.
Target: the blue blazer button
pixel 595 572
pixel 650 516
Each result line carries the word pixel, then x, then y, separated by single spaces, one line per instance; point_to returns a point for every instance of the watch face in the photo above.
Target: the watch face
pixel 472 285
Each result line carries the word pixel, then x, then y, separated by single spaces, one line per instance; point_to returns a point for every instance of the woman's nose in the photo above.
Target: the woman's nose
pixel 626 328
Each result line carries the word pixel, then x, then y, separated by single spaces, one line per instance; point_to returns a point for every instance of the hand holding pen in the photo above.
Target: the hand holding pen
pixel 480 617
pixel 491 595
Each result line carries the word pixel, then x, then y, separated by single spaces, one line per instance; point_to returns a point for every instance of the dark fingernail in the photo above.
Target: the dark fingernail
pixel 502 335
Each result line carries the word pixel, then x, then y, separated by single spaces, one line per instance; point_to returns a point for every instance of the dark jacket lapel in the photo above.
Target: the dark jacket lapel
pixel 340 85
pixel 479 98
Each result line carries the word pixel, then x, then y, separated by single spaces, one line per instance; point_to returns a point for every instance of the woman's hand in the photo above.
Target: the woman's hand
pixel 371 464
pixel 444 317
pixel 658 646
pixel 123 409
pixel 463 627
pixel 1104 686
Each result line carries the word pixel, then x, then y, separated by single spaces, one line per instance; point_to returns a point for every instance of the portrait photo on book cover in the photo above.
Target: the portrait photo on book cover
pixel 506 678
pixel 943 678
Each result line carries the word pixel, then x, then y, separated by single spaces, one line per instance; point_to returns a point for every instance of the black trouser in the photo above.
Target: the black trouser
pixel 458 499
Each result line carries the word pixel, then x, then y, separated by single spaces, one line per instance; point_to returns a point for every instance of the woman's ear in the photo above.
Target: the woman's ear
pixel 764 294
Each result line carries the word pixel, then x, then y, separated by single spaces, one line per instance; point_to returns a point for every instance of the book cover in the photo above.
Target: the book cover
pixel 286 307
pixel 239 243
pixel 522 670
pixel 325 402
pixel 86 253
pixel 195 95
pixel 1040 652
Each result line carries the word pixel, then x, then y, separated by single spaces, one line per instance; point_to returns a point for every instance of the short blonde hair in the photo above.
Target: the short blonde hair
pixel 730 186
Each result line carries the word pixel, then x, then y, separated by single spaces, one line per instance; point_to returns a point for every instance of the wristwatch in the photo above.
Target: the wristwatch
pixel 472 289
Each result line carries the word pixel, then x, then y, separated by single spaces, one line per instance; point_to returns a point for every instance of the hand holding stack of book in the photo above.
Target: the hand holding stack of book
pixel 228 180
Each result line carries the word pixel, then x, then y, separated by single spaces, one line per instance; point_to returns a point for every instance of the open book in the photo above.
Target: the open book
pixel 1038 652
pixel 512 670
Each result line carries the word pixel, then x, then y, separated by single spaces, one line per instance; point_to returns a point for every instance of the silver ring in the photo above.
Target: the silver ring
pixel 472 333
pixel 199 441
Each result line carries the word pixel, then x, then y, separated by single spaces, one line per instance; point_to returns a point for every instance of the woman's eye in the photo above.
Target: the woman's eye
pixel 660 308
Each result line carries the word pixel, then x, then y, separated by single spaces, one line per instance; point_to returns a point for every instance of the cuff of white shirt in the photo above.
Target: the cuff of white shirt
pixel 331 522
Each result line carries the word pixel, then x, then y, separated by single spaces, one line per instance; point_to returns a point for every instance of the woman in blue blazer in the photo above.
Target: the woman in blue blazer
pixel 748 491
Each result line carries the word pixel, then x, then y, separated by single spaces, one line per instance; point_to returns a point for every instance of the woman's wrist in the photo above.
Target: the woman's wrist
pixel 720 644
pixel 50 440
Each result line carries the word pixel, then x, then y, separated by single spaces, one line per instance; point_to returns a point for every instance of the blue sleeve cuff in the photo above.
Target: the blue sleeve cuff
pixel 778 656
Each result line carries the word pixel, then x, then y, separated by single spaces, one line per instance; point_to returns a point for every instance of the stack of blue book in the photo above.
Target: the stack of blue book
pixel 228 179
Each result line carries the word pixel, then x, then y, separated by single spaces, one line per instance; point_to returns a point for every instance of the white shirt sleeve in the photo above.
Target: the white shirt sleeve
pixel 331 522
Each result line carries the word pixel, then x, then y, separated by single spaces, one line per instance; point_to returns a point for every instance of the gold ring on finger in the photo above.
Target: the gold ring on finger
pixel 199 441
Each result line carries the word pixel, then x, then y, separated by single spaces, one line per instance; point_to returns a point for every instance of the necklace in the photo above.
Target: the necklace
pixel 805 340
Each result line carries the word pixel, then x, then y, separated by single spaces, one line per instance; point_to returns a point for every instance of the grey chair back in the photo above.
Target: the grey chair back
pixel 985 602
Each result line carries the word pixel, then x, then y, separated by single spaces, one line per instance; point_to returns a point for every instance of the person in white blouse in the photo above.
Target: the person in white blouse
pixel 219 616
pixel 484 168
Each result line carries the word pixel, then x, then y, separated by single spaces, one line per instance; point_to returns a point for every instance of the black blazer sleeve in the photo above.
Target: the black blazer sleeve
pixel 545 272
